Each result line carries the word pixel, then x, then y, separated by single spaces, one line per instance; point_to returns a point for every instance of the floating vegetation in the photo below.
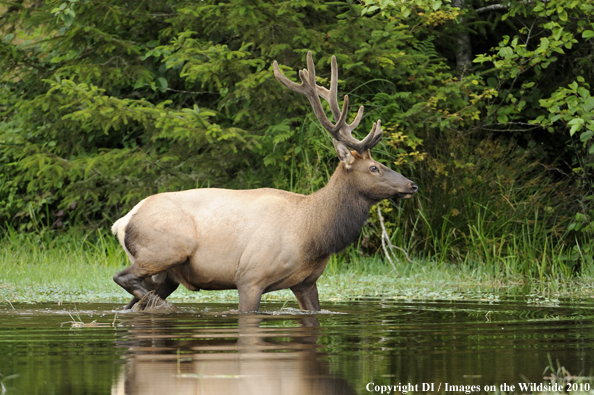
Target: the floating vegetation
pixel 77 322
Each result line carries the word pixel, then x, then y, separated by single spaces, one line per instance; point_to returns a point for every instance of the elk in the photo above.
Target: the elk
pixel 259 240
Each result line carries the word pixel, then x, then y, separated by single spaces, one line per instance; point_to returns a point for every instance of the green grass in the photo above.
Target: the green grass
pixel 75 268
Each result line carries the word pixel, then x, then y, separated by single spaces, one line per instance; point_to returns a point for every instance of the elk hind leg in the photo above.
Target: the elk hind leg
pixel 307 296
pixel 166 287
pixel 139 279
pixel 162 288
pixel 153 253
pixel 133 282
pixel 147 283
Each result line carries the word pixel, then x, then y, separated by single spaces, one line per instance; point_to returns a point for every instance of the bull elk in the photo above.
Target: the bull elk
pixel 260 240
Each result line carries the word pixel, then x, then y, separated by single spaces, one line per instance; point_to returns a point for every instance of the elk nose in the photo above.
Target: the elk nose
pixel 413 186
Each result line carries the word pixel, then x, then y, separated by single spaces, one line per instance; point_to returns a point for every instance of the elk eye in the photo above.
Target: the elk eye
pixel 374 169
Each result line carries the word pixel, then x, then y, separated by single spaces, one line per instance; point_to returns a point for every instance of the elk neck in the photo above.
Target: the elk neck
pixel 334 215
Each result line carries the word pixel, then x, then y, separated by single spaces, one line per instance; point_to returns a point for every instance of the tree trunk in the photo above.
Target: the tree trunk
pixel 463 49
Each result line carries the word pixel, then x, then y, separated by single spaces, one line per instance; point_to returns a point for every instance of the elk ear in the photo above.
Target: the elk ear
pixel 344 153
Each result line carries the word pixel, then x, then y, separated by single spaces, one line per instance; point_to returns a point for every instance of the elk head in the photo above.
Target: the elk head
pixel 375 181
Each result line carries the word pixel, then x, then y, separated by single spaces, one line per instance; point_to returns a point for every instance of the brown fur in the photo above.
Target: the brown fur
pixel 339 215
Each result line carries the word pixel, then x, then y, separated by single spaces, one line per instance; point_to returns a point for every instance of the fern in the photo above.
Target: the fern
pixel 427 49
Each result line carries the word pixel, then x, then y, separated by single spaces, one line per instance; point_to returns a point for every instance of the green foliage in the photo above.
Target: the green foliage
pixel 103 103
pixel 571 106
pixel 549 50
pixel 489 193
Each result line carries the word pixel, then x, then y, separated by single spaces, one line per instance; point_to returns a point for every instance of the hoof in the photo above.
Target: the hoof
pixel 153 303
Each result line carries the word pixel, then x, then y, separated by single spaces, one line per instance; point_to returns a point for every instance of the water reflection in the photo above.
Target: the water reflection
pixel 249 356
pixel 371 341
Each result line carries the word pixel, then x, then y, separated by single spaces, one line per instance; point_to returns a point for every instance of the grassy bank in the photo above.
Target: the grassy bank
pixel 75 268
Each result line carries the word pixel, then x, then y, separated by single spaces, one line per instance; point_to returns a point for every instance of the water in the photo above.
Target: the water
pixel 210 349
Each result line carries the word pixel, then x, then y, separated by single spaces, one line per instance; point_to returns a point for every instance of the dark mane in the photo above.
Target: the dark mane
pixel 338 218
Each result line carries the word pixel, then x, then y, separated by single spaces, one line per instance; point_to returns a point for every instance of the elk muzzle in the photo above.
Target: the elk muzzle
pixel 412 189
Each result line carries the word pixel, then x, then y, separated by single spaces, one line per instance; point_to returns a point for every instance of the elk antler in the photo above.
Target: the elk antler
pixel 342 131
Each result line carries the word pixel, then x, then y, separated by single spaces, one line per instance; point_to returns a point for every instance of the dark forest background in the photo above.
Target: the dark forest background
pixel 487 106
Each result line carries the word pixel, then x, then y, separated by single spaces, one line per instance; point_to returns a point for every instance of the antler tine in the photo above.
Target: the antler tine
pixel 308 88
pixel 341 131
pixel 370 141
pixel 374 136
pixel 331 96
pixel 345 134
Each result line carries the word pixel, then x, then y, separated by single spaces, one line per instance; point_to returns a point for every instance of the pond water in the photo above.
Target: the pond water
pixel 210 349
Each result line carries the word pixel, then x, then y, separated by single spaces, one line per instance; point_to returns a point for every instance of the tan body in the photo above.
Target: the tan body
pixel 258 240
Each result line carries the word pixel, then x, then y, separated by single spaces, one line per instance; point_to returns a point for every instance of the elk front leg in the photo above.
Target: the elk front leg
pixel 307 296
pixel 249 298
